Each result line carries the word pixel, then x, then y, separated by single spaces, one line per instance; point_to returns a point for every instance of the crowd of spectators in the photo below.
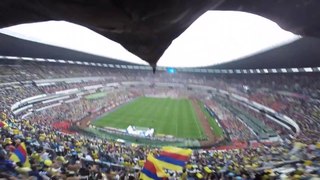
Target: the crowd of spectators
pixel 9 94
pixel 55 155
pixel 78 109
pixel 262 117
pixel 236 129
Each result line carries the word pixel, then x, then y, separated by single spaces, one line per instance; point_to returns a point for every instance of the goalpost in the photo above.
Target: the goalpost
pixel 140 131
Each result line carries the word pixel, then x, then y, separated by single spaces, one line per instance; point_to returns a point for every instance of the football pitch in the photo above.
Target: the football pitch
pixel 167 116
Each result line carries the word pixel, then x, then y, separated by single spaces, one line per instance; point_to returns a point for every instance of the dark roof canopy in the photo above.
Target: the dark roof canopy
pixel 304 52
pixel 12 46
pixel 301 53
pixel 147 27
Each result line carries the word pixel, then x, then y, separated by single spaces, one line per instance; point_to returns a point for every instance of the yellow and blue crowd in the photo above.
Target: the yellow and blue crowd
pixel 54 155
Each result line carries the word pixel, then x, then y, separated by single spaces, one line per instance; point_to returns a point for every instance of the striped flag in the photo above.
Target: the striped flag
pixel 3 124
pixel 151 169
pixel 20 155
pixel 173 158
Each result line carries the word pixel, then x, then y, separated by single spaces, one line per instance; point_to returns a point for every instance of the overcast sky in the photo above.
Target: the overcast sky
pixel 216 37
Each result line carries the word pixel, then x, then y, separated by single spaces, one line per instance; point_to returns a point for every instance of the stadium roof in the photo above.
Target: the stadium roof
pixel 301 53
pixel 12 46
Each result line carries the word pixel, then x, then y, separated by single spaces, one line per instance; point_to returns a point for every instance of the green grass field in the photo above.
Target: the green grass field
pixel 167 116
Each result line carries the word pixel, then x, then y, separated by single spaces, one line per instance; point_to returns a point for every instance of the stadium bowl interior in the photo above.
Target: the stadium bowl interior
pixel 71 115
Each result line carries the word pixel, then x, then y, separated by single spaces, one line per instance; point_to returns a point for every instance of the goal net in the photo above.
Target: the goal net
pixel 140 131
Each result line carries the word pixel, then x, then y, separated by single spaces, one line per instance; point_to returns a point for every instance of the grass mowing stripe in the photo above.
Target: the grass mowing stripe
pixel 196 120
pixel 176 109
pixel 216 129
pixel 188 127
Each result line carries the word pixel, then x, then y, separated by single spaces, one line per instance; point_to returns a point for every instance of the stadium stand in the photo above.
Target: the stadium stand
pixel 55 150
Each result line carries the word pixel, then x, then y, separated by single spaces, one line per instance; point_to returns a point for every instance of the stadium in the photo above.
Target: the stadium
pixel 67 114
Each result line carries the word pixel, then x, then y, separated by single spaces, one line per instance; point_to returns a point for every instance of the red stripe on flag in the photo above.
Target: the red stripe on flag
pixel 22 150
pixel 174 156
pixel 150 167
